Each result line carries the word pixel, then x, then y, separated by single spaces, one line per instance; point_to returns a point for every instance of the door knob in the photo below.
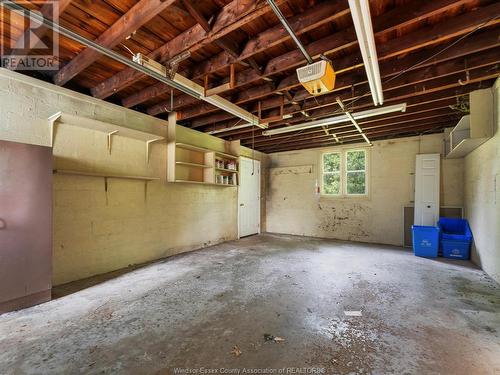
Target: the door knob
pixel 242 204
pixel 3 225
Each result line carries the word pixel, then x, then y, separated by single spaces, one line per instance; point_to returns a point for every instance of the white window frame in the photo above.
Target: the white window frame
pixel 346 172
pixel 323 173
pixel 343 172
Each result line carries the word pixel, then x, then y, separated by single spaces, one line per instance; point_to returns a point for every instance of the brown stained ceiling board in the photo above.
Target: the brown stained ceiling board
pixel 426 49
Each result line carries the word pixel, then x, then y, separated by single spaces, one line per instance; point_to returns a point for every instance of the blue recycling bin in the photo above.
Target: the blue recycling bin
pixel 455 238
pixel 425 241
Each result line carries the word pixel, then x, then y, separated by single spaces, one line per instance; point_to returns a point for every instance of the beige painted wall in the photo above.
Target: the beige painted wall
pixel 293 207
pixel 482 197
pixel 95 230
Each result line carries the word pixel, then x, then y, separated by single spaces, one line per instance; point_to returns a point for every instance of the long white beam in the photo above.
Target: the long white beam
pixel 179 82
pixel 360 12
pixel 338 119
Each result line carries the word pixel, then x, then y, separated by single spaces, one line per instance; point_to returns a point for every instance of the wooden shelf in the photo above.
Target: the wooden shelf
pixel 190 164
pixel 203 183
pixel 226 156
pixel 193 165
pixel 93 174
pixel 84 122
pixel 474 129
pixel 227 170
pixel 192 148
pixel 465 147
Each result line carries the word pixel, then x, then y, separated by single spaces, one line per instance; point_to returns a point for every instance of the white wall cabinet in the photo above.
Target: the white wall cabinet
pixel 474 129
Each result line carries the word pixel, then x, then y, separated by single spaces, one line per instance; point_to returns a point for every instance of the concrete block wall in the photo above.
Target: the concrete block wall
pixel 482 197
pixel 294 208
pixel 97 230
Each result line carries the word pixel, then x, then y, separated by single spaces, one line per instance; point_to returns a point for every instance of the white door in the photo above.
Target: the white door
pixel 427 189
pixel 249 197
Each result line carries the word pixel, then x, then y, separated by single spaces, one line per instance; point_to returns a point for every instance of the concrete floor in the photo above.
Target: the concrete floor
pixel 419 316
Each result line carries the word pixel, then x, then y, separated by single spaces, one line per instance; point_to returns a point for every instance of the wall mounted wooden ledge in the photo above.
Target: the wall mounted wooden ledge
pixel 109 129
pixel 104 175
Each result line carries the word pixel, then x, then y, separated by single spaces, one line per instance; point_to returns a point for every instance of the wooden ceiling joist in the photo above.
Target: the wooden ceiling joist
pixel 384 25
pixel 203 22
pixel 424 112
pixel 138 15
pixel 456 67
pixel 431 53
pixel 234 15
pixel 47 11
pixel 427 72
pixel 416 112
pixel 427 57
pixel 416 92
pixel 453 27
pixel 445 114
pixel 330 141
pixel 313 18
pixel 356 138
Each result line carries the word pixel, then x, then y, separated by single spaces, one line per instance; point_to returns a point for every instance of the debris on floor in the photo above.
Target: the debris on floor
pixel 353 313
pixel 273 338
pixel 236 351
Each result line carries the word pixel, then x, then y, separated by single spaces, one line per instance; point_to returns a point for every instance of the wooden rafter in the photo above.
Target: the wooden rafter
pixel 375 135
pixel 426 56
pixel 451 28
pixel 47 11
pixel 203 22
pixel 405 93
pixel 384 25
pixel 404 119
pixel 234 15
pixel 137 16
pixel 431 70
pixel 412 109
pixel 315 17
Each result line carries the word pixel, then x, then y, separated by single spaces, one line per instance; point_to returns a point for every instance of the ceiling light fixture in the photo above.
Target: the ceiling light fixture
pixel 360 12
pixel 338 119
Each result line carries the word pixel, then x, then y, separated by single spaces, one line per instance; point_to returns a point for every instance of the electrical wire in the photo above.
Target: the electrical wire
pixel 236 123
pixel 128 49
pixel 253 147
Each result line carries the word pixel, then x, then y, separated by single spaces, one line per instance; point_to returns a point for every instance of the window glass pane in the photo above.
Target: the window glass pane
pixel 331 183
pixel 356 183
pixel 355 160
pixel 331 162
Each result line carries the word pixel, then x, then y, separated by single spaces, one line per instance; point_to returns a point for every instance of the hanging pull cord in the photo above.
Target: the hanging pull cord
pixel 253 148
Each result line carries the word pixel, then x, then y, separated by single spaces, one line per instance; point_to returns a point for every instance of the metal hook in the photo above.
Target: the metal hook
pixel 467 79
